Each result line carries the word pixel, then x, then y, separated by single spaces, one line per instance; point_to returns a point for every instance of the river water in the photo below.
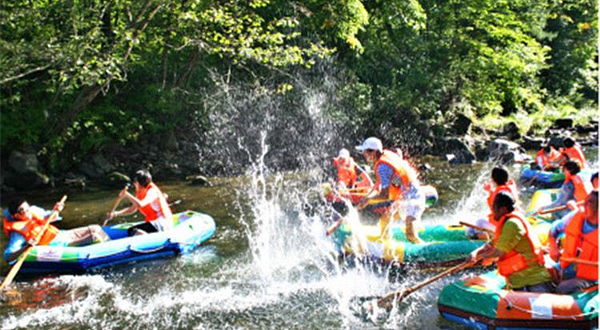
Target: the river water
pixel 269 265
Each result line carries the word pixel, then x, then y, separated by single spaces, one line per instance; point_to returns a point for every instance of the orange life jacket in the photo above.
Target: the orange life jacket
pixel 581 246
pixel 157 208
pixel 575 153
pixel 512 261
pixel 403 175
pixel 31 228
pixel 582 188
pixel 554 155
pixel 346 171
pixel 510 187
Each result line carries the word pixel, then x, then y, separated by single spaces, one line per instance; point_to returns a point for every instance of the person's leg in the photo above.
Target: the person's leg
pixel 574 284
pixel 142 228
pixel 539 288
pixel 86 235
pixel 414 210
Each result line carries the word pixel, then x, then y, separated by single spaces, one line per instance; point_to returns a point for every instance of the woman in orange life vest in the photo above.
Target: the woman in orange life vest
pixel 150 201
pixel 396 181
pixel 23 223
pixel 574 188
pixel 546 158
pixel 500 182
pixel 571 151
pixel 581 241
pixel 348 172
pixel 519 253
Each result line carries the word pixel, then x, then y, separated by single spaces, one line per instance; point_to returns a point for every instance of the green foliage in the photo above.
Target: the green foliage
pixel 76 76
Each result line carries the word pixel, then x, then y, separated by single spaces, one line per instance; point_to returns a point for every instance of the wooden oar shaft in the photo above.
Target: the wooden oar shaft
pixel 476 227
pixel 17 266
pixel 385 300
pixel 559 208
pixel 579 261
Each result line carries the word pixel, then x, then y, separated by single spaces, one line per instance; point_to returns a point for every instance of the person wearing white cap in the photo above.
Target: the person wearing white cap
pixel 348 172
pixel 397 181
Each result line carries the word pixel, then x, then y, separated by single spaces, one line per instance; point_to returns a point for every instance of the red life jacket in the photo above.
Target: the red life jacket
pixel 582 188
pixel 512 261
pixel 586 244
pixel 404 174
pixel 574 153
pixel 31 228
pixel 346 171
pixel 157 208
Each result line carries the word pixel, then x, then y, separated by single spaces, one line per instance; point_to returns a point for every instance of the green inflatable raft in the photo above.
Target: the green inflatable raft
pixel 482 303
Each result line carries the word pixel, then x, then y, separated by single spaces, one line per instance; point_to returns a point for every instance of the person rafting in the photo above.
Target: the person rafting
pixel 580 229
pixel 546 158
pixel 396 181
pixel 519 253
pixel 348 173
pixel 572 152
pixel 150 201
pixel 573 188
pixel 24 222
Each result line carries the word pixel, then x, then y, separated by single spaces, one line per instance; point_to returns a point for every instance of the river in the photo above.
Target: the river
pixel 269 265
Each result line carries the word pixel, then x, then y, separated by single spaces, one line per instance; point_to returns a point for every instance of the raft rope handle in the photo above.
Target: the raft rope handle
pixel 512 305
pixel 167 242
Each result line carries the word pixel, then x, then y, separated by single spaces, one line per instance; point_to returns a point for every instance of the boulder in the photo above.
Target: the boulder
pixel 563 123
pixel 506 152
pixel 23 162
pixel 117 179
pixel 531 143
pixel 456 150
pixel 462 124
pixel 199 180
pixel 96 167
pixel 26 181
pixel 511 131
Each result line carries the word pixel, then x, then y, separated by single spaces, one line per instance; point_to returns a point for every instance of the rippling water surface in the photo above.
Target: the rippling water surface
pixel 269 265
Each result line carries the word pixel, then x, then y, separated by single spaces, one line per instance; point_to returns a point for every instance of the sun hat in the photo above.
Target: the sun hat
pixel 371 143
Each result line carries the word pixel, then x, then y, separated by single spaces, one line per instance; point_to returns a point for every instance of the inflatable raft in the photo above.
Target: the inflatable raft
pixel 548 179
pixel 482 303
pixel 191 229
pixel 443 245
pixel 354 196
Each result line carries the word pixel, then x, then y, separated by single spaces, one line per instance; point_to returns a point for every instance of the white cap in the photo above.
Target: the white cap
pixel 371 143
pixel 344 153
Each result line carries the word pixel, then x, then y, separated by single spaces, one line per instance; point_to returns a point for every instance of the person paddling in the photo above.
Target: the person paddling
pixel 580 247
pixel 574 188
pixel 396 181
pixel 150 201
pixel 519 253
pixel 23 223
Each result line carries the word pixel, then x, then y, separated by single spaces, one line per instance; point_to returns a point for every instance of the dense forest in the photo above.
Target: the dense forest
pixel 78 76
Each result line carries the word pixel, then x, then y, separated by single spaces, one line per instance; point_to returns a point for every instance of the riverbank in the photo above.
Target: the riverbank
pixel 183 155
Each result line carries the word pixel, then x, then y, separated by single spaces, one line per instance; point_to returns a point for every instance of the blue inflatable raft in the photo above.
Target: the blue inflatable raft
pixel 191 229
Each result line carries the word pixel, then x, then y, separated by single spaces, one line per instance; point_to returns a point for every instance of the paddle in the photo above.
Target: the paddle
pixel 399 295
pixel 17 266
pixel 579 261
pixel 476 227
pixel 117 201
pixel 559 208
